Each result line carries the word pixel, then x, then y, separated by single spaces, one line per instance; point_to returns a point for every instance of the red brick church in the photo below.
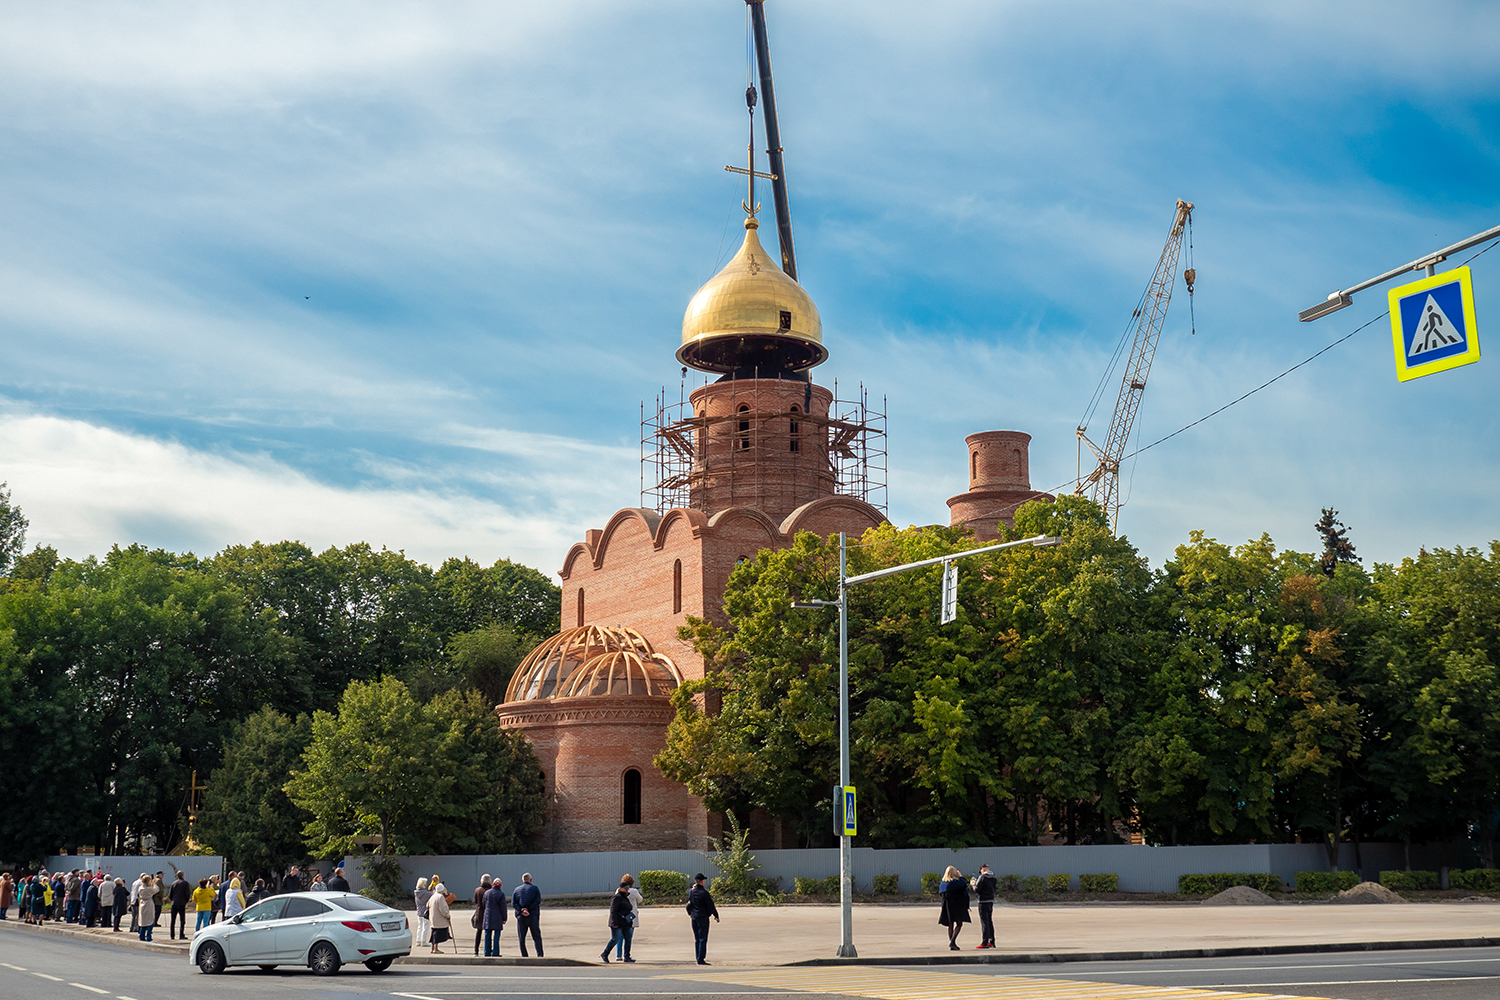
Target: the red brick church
pixel 743 464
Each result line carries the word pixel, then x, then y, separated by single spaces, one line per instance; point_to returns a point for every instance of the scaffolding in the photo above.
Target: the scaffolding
pixel 761 454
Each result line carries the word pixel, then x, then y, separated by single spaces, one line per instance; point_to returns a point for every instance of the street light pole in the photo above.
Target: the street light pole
pixel 846 845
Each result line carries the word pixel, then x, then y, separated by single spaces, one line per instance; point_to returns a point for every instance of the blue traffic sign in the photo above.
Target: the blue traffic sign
pixel 1432 324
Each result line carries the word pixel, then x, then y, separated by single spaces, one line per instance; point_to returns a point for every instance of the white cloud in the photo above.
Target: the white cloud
pixel 86 488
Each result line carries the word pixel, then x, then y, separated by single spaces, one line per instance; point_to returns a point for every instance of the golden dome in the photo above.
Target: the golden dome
pixel 752 315
pixel 593 662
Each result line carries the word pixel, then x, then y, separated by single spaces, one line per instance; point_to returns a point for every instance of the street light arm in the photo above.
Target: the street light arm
pixel 1341 298
pixel 1039 541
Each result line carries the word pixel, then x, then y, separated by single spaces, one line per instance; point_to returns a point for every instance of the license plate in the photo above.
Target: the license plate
pixel 391 926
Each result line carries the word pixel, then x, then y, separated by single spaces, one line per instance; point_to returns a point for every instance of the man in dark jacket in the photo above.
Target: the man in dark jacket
pixel 492 921
pixel 180 894
pixel 700 906
pixel 984 888
pixel 527 901
pixel 293 880
pixel 122 902
pixel 620 916
pixel 338 883
pixel 73 892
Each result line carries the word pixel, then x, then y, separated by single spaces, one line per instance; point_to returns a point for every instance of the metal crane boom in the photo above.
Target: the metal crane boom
pixel 1103 484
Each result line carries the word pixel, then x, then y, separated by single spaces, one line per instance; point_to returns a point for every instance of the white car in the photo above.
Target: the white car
pixel 321 930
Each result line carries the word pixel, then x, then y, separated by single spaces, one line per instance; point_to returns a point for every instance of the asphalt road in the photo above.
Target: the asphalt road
pixel 46 967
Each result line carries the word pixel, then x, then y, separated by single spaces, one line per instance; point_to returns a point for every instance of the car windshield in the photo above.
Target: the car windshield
pixel 357 903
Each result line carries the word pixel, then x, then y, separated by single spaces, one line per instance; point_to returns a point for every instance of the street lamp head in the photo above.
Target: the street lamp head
pixel 1048 542
pixel 1334 302
pixel 814 604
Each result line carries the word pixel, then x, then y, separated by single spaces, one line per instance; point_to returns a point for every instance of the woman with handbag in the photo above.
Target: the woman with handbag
pixel 955 911
pixel 420 897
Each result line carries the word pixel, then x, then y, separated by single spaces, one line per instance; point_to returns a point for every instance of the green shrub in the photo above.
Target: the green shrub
pixel 930 882
pixel 1410 881
pixel 831 887
pixel 1059 882
pixel 662 885
pixel 764 898
pixel 887 885
pixel 384 876
pixel 1010 883
pixel 1323 883
pixel 807 886
pixel 1212 884
pixel 1099 883
pixel 1033 883
pixel 1475 879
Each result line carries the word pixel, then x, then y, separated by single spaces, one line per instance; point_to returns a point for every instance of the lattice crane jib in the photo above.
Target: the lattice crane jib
pixel 1102 485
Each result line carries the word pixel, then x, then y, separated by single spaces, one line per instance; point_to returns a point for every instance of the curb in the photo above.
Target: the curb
pixel 477 960
pixel 123 940
pixel 1042 958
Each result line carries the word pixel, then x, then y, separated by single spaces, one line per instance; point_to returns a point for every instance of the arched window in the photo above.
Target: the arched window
pixel 973 465
pixel 744 427
pixel 677 587
pixel 632 796
pixel 796 444
pixel 580 607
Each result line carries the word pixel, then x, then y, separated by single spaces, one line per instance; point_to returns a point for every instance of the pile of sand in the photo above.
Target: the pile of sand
pixel 1240 895
pixel 1369 892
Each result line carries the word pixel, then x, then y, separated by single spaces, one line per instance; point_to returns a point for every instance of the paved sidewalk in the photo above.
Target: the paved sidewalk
pixel 782 935
pixel 124 939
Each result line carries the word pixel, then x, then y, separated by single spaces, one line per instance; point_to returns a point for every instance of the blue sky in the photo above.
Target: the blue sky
pixel 403 273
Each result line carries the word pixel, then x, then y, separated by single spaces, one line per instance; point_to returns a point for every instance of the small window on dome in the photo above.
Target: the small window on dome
pixel 786 320
pixel 632 797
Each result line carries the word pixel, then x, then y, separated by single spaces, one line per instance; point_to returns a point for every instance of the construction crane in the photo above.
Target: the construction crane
pixel 1103 484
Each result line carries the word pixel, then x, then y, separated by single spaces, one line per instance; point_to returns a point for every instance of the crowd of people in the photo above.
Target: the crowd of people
pixel 88 898
pixel 94 899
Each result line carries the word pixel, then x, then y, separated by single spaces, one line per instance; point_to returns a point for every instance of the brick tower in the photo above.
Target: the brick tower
pixel 747 462
pixel 999 483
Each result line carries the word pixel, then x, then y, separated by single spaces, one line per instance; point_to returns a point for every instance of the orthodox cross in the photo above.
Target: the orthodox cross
pixel 750 205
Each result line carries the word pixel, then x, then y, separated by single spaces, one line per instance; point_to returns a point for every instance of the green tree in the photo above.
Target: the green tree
pixel 372 768
pixel 498 798
pixel 246 814
pixel 482 660
pixel 987 730
pixel 13 526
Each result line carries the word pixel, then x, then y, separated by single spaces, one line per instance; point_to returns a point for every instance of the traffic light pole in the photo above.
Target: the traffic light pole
pixel 846 843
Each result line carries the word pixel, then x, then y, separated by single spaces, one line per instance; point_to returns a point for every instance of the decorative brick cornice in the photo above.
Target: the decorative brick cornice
pixel 637 710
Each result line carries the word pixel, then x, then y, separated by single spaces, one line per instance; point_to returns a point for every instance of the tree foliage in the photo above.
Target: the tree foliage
pixel 441 778
pixel 246 814
pixel 127 673
pixel 1239 693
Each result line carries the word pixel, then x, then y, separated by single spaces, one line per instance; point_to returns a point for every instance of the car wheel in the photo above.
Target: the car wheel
pixel 211 959
pixel 323 959
pixel 267 968
pixel 379 964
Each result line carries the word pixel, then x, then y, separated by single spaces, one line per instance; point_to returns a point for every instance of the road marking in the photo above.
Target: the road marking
pixel 120 996
pixel 9 966
pixel 1341 982
pixel 55 979
pixel 893 984
pixel 1277 968
pixel 91 989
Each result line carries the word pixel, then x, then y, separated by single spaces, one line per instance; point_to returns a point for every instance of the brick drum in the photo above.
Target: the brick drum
pixel 999 483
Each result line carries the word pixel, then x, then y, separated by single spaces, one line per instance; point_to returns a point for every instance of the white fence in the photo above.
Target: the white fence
pixel 1141 869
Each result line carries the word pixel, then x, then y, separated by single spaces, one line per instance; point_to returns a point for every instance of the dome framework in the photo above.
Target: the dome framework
pixel 593 661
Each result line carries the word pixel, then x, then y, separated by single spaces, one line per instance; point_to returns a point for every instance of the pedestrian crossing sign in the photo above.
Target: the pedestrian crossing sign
pixel 1432 324
pixel 849 827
